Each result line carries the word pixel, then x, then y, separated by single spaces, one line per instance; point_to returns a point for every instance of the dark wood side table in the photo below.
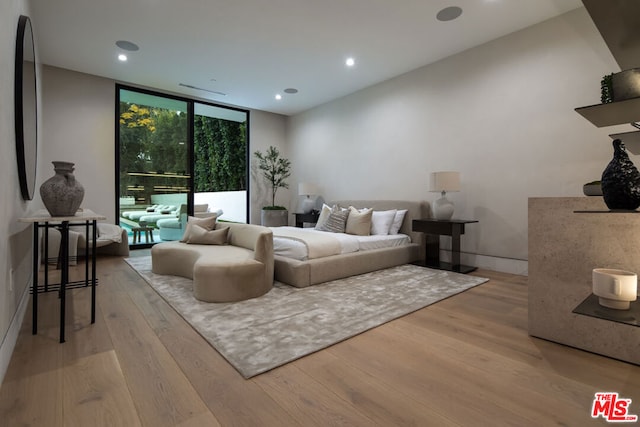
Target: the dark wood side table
pixel 311 217
pixel 447 227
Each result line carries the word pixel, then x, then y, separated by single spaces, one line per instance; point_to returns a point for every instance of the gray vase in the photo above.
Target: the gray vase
pixel 62 194
pixel 274 217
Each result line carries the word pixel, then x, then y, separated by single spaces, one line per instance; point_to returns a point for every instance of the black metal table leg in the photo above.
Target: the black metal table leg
pixel 64 275
pixel 93 272
pixel 34 281
pixel 86 254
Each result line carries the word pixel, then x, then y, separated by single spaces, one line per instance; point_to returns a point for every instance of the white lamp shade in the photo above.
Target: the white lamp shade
pixel 307 189
pixel 444 181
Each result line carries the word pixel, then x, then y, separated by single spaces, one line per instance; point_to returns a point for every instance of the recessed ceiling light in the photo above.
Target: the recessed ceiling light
pixel 127 45
pixel 350 62
pixel 122 57
pixel 278 97
pixel 449 13
pixel 291 90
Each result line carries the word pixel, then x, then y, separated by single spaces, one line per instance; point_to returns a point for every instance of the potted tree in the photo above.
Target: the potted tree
pixel 275 170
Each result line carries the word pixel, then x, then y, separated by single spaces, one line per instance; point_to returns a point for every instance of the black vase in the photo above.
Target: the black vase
pixel 621 181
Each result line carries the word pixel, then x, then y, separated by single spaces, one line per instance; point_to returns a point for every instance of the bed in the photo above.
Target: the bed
pixel 356 255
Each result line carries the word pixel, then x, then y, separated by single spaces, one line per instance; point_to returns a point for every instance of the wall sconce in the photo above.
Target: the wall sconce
pixel 307 189
pixel 442 182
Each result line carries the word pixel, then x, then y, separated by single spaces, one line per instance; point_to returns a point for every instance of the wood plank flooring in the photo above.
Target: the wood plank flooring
pixel 465 361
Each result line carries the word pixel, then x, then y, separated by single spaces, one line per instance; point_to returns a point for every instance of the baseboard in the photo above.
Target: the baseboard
pixel 504 265
pixel 10 339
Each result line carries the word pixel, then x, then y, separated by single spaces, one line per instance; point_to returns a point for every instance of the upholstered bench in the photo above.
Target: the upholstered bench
pixel 240 269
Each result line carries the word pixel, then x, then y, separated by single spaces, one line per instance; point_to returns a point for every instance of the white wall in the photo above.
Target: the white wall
pixel 232 203
pixel 502 114
pixel 15 237
pixel 266 129
pixel 78 126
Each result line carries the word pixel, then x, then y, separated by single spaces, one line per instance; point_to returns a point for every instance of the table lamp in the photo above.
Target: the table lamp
pixel 307 189
pixel 443 182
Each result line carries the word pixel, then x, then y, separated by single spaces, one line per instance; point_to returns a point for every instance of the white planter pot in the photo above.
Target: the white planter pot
pixel 274 218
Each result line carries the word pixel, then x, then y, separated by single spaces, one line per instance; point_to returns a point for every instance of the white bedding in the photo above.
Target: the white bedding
pixel 367 243
pixel 297 249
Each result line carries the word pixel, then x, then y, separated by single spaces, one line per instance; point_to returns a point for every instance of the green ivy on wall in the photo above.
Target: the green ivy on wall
pixel 220 155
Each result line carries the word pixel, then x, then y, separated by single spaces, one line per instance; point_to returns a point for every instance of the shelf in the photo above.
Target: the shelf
pixel 618 22
pixel 52 287
pixel 615 211
pixel 631 140
pixel 613 113
pixel 591 307
pixel 158 175
pixel 632 137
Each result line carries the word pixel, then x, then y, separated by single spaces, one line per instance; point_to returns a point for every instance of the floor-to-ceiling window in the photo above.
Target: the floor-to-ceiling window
pixel 220 160
pixel 176 157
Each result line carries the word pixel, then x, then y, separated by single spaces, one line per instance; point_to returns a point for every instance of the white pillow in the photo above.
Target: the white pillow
pixel 324 216
pixel 381 222
pixel 397 221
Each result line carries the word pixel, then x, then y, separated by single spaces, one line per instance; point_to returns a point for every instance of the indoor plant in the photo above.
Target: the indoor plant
pixel 275 170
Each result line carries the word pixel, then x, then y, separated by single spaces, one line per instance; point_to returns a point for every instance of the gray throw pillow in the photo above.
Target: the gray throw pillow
pixel 208 224
pixel 202 236
pixel 337 221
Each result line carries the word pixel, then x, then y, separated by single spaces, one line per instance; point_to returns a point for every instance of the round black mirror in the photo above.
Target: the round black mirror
pixel 26 108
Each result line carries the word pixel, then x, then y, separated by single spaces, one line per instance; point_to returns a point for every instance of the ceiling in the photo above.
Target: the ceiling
pixel 251 50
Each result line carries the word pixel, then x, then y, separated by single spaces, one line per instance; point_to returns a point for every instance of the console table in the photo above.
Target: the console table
pixel 446 227
pixel 564 248
pixel 42 219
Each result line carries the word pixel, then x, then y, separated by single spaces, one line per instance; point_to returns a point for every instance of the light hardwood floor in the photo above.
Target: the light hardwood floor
pixel 467 361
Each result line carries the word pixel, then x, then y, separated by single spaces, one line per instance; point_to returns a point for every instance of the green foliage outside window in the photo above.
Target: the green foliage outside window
pixel 220 155
pixel 154 141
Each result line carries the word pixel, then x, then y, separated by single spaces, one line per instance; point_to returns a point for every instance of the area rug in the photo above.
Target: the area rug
pixel 287 323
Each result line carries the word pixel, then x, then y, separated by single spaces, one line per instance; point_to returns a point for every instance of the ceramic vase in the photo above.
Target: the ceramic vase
pixel 62 194
pixel 621 181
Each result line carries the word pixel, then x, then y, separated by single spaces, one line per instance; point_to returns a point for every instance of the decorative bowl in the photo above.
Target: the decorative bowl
pixel 592 189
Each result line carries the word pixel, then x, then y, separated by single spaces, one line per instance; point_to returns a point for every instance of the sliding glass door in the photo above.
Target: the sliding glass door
pixel 175 158
pixel 220 161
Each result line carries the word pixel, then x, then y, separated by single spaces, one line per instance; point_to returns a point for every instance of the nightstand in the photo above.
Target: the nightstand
pixel 311 217
pixel 448 227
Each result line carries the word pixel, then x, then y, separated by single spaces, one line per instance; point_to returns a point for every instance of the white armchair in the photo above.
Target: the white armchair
pixel 112 240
